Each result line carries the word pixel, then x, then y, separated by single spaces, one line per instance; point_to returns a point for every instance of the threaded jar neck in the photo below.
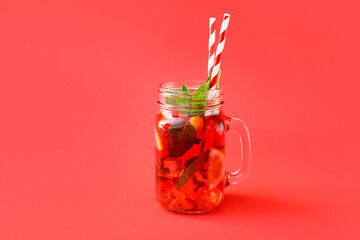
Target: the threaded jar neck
pixel 174 98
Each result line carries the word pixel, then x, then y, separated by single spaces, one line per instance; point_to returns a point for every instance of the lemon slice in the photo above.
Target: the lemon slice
pixel 216 168
pixel 158 144
pixel 196 121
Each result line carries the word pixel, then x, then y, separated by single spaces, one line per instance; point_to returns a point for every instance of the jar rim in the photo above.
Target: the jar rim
pixel 172 97
pixel 191 84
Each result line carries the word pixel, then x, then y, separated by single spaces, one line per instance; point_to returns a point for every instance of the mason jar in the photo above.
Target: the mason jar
pixel 190 131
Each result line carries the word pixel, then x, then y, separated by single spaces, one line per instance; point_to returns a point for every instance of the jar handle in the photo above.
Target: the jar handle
pixel 241 174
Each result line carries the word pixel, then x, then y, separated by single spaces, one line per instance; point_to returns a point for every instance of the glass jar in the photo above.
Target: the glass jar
pixel 190 148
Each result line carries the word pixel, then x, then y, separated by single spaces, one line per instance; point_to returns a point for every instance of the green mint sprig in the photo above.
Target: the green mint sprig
pixel 200 95
pixel 180 101
pixel 186 101
pixel 196 100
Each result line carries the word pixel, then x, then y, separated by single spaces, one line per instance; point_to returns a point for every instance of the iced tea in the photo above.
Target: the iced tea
pixel 190 162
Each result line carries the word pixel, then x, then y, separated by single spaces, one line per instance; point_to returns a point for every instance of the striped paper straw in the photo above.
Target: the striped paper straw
pixel 211 45
pixel 219 49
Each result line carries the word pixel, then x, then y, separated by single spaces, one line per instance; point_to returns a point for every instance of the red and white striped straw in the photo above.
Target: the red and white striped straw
pixel 211 60
pixel 220 48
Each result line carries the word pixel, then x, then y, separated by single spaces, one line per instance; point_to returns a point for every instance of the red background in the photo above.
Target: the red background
pixel 78 99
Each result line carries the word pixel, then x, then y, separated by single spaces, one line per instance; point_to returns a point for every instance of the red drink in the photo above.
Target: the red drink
pixel 190 167
pixel 190 132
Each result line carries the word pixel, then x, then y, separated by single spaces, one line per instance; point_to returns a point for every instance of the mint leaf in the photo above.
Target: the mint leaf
pixel 200 95
pixel 195 164
pixel 181 138
pixel 180 101
pixel 189 171
pixel 218 79
pixel 171 101
pixel 185 100
pixel 184 88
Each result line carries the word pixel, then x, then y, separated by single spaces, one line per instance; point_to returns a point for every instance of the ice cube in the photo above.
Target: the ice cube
pixel 201 182
pixel 213 135
pixel 209 199
pixel 173 198
pixel 170 168
pixel 188 204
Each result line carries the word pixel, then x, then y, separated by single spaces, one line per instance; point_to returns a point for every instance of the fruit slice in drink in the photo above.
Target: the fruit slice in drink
pixel 216 167
pixel 158 143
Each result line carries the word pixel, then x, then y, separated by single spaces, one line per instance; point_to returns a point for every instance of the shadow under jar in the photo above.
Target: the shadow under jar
pixel 190 148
